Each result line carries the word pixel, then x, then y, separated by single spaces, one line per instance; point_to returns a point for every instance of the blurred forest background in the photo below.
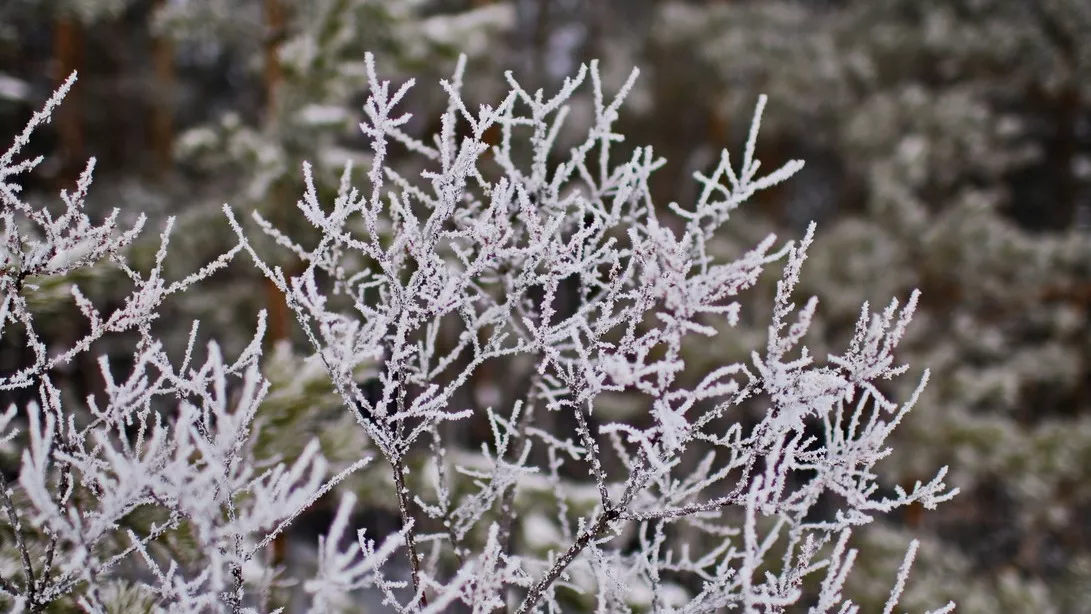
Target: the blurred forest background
pixel 947 143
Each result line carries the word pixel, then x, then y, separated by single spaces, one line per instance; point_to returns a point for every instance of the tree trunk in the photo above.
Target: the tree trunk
pixel 68 58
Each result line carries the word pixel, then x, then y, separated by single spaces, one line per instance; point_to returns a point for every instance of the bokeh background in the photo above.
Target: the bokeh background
pixel 948 148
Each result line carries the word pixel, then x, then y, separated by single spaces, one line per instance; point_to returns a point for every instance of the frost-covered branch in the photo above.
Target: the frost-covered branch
pixel 555 266
pixel 484 276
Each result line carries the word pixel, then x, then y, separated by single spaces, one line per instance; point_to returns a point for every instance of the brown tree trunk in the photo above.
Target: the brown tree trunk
pixel 68 58
pixel 162 115
pixel 275 25
pixel 276 301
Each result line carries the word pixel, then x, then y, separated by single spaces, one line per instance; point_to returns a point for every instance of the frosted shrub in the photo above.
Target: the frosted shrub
pixel 501 251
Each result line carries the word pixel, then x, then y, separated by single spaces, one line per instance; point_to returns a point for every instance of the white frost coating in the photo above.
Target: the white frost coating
pixel 554 268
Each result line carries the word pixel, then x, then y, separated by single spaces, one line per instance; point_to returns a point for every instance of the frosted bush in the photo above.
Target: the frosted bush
pixel 554 265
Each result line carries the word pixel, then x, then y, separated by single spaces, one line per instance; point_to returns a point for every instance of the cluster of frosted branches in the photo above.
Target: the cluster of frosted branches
pixel 115 481
pixel 551 268
pixel 559 258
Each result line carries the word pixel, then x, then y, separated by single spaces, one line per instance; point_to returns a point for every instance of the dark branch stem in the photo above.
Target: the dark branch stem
pixel 566 559
pixel 507 504
pixel 398 467
pixel 13 519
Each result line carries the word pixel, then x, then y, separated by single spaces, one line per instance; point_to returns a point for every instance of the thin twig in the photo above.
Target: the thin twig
pixel 13 519
pixel 566 559
pixel 507 510
pixel 407 521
